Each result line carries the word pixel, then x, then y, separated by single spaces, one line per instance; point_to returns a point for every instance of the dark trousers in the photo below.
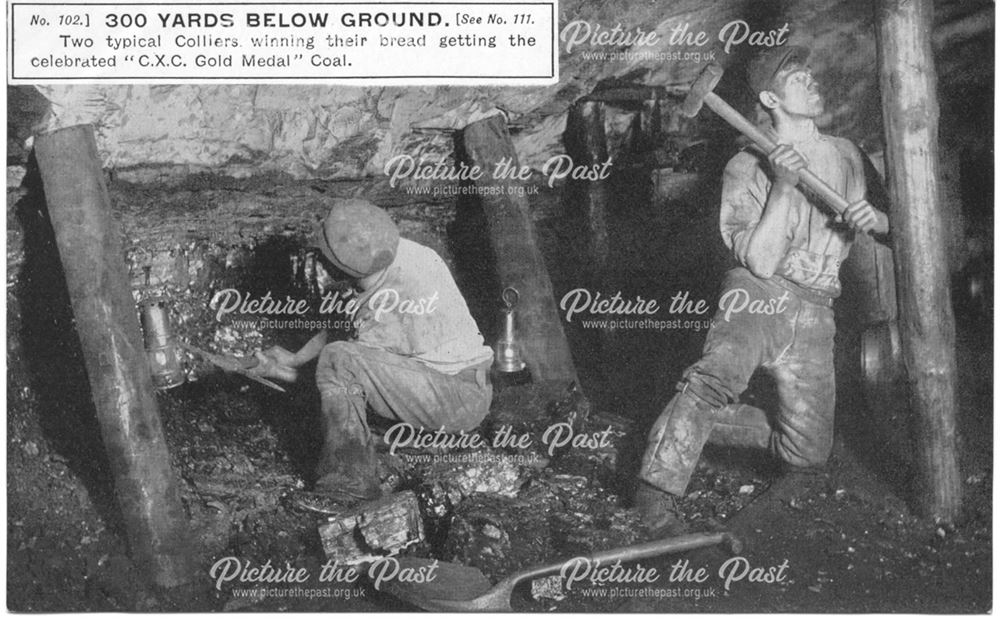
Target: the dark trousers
pixel 794 345
pixel 352 377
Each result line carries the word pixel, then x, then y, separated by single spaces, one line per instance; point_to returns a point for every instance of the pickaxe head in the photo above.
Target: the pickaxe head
pixel 705 83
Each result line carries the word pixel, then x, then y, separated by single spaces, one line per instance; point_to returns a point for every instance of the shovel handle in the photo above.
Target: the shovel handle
pixel 677 544
pixel 231 364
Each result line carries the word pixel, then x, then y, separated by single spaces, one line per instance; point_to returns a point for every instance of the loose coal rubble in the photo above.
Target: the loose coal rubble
pixel 496 509
pixel 503 510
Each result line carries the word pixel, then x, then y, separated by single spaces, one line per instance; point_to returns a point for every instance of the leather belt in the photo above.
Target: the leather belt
pixel 802 292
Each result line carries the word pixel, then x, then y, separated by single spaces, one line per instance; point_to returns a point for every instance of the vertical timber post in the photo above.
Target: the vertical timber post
pixel 586 143
pixel 588 146
pixel 926 321
pixel 650 120
pixel 90 249
pixel 519 261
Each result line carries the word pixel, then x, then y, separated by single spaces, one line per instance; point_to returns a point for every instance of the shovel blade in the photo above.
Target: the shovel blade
pixel 421 581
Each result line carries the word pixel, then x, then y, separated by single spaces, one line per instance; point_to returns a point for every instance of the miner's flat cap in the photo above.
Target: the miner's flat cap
pixel 767 64
pixel 357 237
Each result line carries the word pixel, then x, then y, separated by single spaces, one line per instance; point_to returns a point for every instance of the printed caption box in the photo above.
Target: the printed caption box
pixel 404 43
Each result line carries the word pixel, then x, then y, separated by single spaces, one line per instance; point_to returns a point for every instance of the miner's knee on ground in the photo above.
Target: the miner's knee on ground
pixel 800 433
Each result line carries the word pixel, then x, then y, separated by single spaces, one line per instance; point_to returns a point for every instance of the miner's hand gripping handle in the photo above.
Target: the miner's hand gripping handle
pixel 701 92
pixel 267 367
pixel 280 363
pixel 748 129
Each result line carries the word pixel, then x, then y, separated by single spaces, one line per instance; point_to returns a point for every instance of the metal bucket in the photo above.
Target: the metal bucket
pixel 161 351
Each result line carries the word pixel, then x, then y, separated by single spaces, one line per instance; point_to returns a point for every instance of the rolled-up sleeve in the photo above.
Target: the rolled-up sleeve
pixel 744 194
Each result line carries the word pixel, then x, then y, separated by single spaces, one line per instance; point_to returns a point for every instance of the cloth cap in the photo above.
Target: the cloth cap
pixel 358 237
pixel 768 63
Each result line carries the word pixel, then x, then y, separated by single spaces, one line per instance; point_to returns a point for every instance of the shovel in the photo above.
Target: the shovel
pixel 231 364
pixel 465 588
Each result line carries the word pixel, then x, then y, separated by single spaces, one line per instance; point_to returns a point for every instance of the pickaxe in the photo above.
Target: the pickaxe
pixel 701 93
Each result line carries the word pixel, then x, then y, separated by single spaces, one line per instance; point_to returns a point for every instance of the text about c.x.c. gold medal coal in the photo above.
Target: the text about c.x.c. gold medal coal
pixel 406 42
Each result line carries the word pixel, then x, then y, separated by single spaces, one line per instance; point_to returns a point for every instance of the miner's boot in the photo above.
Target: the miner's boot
pixel 348 473
pixel 347 469
pixel 675 442
pixel 658 511
pixel 674 446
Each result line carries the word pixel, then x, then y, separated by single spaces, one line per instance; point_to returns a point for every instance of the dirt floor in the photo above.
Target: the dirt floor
pixel 848 538
pixel 849 542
